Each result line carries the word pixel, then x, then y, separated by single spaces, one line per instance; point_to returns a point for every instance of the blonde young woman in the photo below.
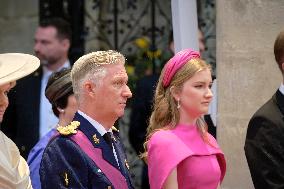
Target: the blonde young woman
pixel 180 152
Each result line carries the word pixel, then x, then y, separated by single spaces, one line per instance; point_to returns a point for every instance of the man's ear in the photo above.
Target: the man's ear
pixel 175 92
pixel 89 88
pixel 66 43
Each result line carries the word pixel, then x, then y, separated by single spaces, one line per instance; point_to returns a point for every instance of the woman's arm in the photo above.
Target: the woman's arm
pixel 171 181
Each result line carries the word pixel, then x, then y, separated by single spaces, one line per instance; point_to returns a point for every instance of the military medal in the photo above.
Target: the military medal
pixel 96 140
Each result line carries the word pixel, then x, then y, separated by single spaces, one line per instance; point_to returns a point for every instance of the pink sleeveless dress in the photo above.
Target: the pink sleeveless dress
pixel 199 165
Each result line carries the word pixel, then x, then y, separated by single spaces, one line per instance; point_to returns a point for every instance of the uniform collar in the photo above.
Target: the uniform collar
pixel 96 124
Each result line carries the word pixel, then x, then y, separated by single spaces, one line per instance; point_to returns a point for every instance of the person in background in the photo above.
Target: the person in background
pixel 179 150
pixel 141 110
pixel 52 42
pixel 142 107
pixel 88 152
pixel 264 144
pixel 210 117
pixel 14 171
pixel 59 92
pixel 201 41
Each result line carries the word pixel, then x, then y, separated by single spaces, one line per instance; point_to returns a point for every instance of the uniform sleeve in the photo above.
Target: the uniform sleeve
pixel 63 165
pixel 264 150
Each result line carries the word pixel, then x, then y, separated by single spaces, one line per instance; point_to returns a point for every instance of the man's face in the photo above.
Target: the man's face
pixel 113 92
pixel 48 48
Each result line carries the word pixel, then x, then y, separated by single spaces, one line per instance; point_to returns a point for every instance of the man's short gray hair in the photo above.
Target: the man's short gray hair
pixel 92 67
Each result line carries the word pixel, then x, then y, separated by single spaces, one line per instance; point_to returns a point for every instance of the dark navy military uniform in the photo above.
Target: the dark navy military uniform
pixel 65 165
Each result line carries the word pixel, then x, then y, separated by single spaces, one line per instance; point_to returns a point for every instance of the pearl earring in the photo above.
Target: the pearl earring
pixel 178 104
pixel 61 110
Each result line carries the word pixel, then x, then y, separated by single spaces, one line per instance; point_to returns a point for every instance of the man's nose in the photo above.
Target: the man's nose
pixel 36 47
pixel 127 93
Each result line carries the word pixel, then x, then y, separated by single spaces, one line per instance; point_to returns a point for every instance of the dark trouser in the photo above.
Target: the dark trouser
pixel 145 178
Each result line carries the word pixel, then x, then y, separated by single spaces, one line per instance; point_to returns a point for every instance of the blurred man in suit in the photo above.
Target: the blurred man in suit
pixel 29 109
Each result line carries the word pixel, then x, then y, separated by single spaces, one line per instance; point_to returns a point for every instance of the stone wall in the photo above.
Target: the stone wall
pixel 18 20
pixel 247 75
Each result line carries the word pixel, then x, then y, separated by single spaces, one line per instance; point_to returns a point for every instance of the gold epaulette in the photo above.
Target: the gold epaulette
pixel 69 129
pixel 114 129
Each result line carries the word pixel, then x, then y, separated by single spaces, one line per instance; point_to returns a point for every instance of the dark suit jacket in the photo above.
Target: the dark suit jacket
pixel 141 110
pixel 21 119
pixel 62 155
pixel 264 145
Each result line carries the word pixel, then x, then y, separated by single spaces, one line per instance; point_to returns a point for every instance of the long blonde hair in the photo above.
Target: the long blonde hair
pixel 165 114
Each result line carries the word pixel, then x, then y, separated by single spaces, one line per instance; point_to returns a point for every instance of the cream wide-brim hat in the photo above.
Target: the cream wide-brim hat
pixel 14 66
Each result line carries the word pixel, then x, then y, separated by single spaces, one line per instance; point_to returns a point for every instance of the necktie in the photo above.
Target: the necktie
pixel 107 137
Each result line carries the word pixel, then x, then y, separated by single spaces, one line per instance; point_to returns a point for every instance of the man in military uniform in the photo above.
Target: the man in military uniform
pixel 88 153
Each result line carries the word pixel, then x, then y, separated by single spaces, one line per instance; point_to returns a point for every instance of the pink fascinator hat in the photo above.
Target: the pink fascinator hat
pixel 176 62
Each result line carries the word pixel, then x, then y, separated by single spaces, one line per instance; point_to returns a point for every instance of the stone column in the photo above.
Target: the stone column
pixel 18 22
pixel 247 75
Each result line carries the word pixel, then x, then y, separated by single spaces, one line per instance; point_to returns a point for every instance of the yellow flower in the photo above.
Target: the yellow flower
pixel 142 42
pixel 130 69
pixel 154 54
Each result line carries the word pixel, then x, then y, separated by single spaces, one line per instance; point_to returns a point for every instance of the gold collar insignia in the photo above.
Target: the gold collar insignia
pixel 96 140
pixel 69 129
pixel 114 129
